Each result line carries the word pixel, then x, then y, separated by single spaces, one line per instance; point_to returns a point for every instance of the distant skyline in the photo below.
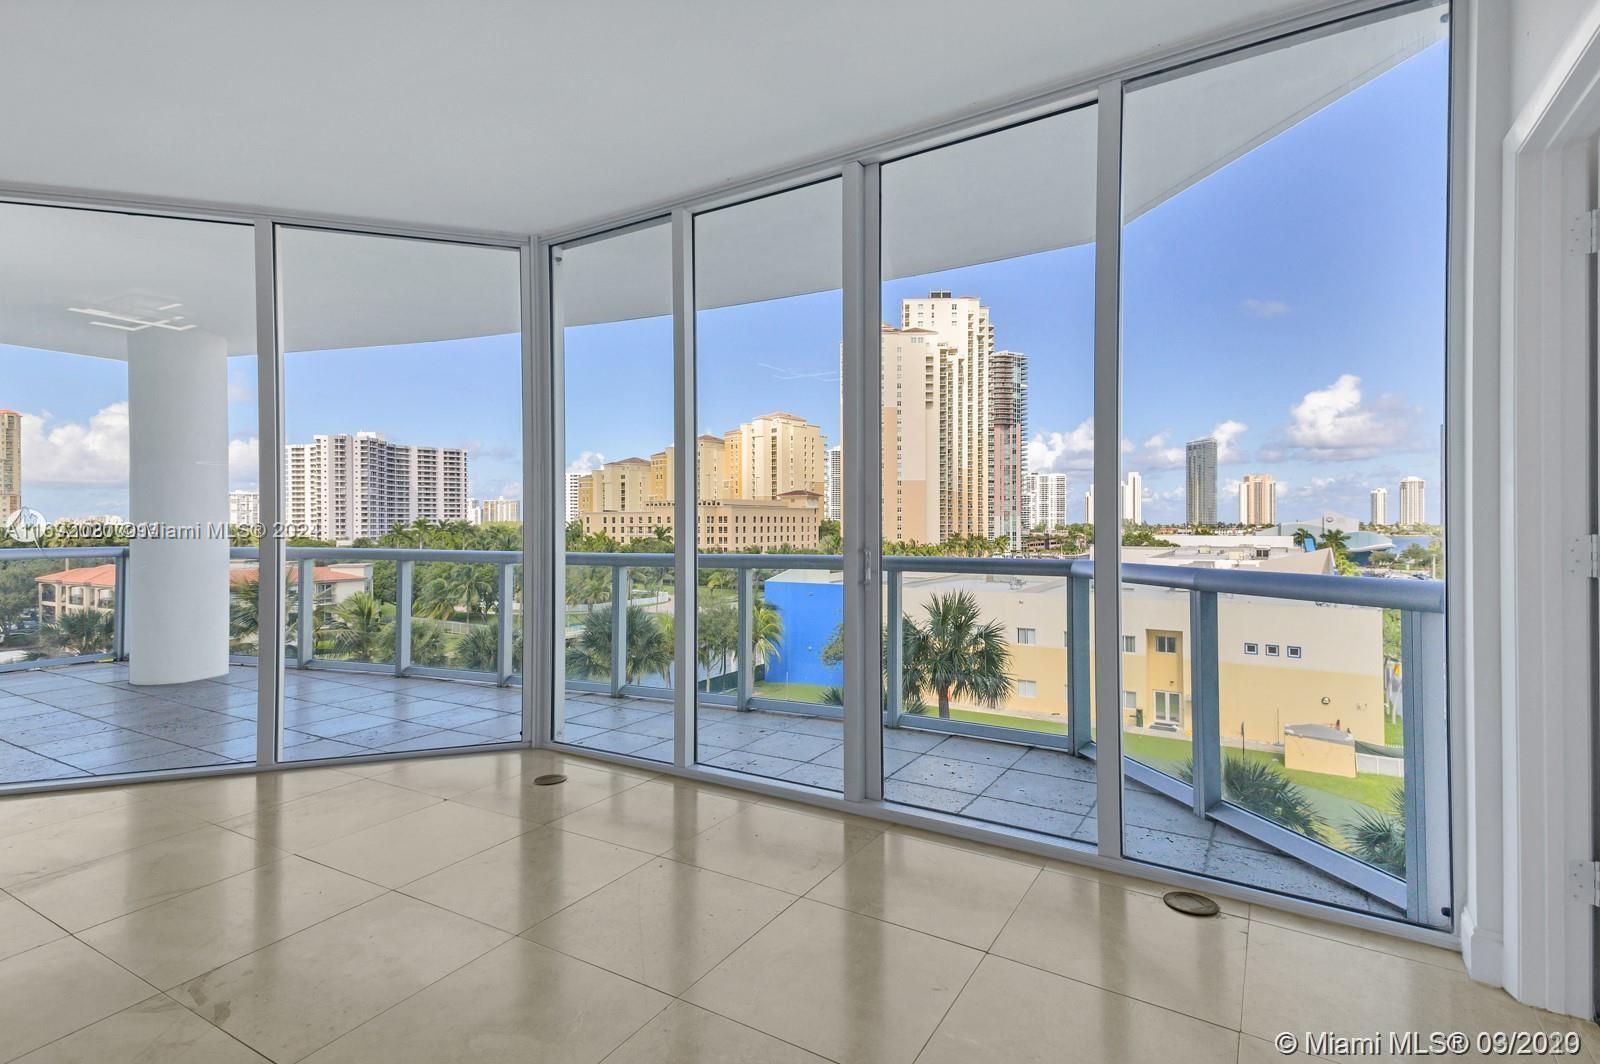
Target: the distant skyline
pixel 1291 304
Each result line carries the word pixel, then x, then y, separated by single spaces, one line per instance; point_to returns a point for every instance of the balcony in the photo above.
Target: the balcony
pixel 72 714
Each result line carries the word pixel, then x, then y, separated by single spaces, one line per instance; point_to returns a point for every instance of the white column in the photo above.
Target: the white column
pixel 177 610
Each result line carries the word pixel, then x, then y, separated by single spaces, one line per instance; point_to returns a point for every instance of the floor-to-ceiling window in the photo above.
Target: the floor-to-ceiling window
pixel 1283 401
pixel 768 458
pixel 128 471
pixel 402 494
pixel 613 327
pixel 987 458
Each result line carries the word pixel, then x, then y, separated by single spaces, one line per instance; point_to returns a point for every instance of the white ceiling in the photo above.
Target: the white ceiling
pixel 515 115
pixel 533 117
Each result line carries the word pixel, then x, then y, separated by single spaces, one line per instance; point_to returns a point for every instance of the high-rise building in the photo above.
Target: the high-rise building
pixel 833 497
pixel 1133 499
pixel 959 462
pixel 1380 506
pixel 1258 500
pixel 616 486
pixel 913 510
pixel 772 455
pixel 1413 501
pixel 1088 506
pixel 1047 500
pixel 1200 486
pixel 573 482
pixel 344 487
pixel 499 511
pixel 709 452
pixel 10 464
pixel 244 508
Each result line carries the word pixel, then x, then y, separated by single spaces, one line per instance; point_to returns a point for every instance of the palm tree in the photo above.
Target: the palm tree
pixel 766 632
pixel 649 646
pixel 428 644
pixel 1335 540
pixel 470 588
pixel 1378 837
pixel 1259 786
pixel 716 637
pixel 1302 537
pixel 82 632
pixel 479 649
pixel 357 629
pixel 244 620
pixel 955 654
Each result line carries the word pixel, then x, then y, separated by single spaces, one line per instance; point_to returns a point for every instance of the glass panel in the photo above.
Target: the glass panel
pixel 1283 380
pixel 404 433
pixel 988 449
pixel 614 339
pixel 127 450
pixel 769 313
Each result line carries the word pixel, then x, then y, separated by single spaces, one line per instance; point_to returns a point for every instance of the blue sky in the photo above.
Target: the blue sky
pixel 1295 299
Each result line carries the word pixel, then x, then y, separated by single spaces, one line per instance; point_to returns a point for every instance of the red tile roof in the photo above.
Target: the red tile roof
pixel 92 575
pixel 324 575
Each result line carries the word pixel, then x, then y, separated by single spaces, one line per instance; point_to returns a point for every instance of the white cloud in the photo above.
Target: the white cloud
pixel 1336 423
pixel 511 490
pixel 1227 435
pixel 71 452
pixel 1154 453
pixel 244 462
pixel 1265 308
pixel 587 462
pixel 1060 452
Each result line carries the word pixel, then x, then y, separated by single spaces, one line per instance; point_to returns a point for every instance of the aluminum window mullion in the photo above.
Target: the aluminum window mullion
pixel 1107 514
pixel 540 458
pixel 270 587
pixel 685 532
pixel 863 475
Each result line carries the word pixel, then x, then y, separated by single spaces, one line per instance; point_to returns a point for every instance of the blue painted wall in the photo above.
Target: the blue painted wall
pixel 810 613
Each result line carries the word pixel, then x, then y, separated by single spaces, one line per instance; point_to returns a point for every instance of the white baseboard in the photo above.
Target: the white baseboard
pixel 1482 950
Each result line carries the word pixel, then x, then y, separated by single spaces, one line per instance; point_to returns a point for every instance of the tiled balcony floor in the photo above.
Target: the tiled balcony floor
pixel 1002 783
pixel 447 909
pixel 86 720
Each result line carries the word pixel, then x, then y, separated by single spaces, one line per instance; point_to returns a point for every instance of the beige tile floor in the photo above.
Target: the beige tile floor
pixel 450 910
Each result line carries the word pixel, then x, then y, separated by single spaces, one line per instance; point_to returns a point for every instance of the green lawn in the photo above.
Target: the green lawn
pixel 1394 732
pixel 794 692
pixel 1002 720
pixel 1337 800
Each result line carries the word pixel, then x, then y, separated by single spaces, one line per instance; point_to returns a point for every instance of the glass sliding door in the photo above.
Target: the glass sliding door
pixel 1283 396
pixel 768 459
pixel 613 328
pixel 402 493
pixel 987 470
pixel 128 473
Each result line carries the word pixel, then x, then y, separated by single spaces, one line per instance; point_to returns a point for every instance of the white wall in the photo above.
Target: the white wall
pixel 1519 925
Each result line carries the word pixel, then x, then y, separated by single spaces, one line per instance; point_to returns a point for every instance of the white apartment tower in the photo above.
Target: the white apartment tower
pixel 573 480
pixel 833 497
pixel 1047 500
pixel 244 508
pixel 499 511
pixel 1380 506
pixel 344 487
pixel 1258 500
pixel 1133 499
pixel 1413 502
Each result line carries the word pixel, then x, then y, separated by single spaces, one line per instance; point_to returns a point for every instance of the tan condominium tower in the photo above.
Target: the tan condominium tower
pixel 1413 501
pixel 772 455
pixel 1380 506
pixel 708 471
pixel 975 400
pixel 1258 500
pixel 10 464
